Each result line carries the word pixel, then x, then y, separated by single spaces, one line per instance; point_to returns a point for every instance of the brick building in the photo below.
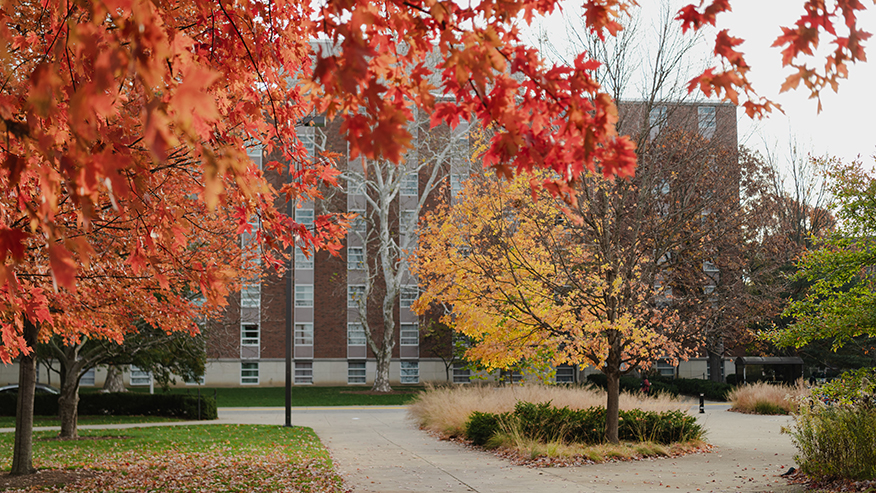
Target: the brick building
pixel 317 297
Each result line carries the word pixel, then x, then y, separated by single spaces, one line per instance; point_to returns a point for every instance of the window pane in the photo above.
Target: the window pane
pixel 87 379
pixel 408 296
pixel 409 335
pixel 355 293
pixel 358 224
pixel 249 335
pixel 410 372
pixel 410 184
pixel 305 218
pixel 356 372
pixel 250 296
pixel 304 295
pixel 461 373
pixel 302 261
pixel 355 258
pixel 140 377
pixel 356 334
pixel 303 372
pixel 565 374
pixel 303 334
pixel 249 373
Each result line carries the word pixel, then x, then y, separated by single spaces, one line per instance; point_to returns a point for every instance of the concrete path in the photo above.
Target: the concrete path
pixel 377 449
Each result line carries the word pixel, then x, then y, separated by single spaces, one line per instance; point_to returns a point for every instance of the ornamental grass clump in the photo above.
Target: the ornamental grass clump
pixel 767 398
pixel 445 410
pixel 835 428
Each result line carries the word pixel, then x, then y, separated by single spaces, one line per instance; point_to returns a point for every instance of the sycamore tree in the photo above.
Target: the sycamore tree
pixel 838 305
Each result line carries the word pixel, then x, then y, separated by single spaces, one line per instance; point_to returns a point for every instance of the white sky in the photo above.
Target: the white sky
pixel 846 126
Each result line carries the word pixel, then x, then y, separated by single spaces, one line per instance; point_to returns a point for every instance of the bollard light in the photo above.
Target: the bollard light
pixel 702 404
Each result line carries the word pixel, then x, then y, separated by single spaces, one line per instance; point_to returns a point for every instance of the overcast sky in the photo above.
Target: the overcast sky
pixel 846 126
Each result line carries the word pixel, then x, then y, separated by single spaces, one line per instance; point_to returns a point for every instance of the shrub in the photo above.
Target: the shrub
pixel 835 428
pixel 545 423
pixel 480 427
pixel 121 404
pixel 715 391
pixel 768 408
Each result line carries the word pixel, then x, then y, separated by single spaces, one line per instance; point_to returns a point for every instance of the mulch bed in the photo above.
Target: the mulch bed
pixel 45 477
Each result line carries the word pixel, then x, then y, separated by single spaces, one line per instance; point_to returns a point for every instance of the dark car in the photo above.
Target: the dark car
pixel 40 389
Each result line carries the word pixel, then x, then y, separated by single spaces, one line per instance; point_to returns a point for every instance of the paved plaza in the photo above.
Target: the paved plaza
pixel 378 449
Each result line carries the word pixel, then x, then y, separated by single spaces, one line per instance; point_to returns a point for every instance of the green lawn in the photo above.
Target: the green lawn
pixel 201 458
pixel 9 421
pixel 301 396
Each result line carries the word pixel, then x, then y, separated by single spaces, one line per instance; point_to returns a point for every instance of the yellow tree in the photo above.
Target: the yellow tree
pixel 514 278
pixel 615 279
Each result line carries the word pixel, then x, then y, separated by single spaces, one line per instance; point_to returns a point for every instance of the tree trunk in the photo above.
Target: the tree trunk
pixel 612 374
pixel 22 452
pixel 612 407
pixel 68 406
pixel 381 377
pixel 114 381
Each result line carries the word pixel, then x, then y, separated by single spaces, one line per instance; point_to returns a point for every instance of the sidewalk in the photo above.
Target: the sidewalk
pixel 377 449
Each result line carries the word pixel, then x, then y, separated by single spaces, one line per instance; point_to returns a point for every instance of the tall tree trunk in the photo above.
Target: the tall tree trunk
pixel 114 381
pixel 381 377
pixel 68 406
pixel 22 452
pixel 612 374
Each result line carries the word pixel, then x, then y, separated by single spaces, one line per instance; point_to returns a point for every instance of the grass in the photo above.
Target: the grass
pixel 309 396
pixel 765 398
pixel 190 458
pixel 9 421
pixel 445 410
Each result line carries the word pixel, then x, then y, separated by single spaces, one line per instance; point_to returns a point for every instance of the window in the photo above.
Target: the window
pixel 249 373
pixel 249 335
pixel 656 120
pixel 303 372
pixel 409 335
pixel 408 296
pixel 356 334
pixel 710 267
pixel 665 369
pixel 355 258
pixel 355 185
pixel 307 136
pixel 410 184
pixel 304 295
pixel 707 121
pixel 358 225
pixel 410 372
pixel 202 380
pixel 250 296
pixel 355 294
pixel 303 334
pixel 87 379
pixel 355 372
pixel 302 261
pixel 456 181
pixel 305 218
pixel 461 372
pixel 565 374
pixel 407 221
pixel 140 377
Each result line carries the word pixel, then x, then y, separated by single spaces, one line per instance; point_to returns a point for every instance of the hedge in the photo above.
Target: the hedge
pixel 714 391
pixel 546 423
pixel 121 404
